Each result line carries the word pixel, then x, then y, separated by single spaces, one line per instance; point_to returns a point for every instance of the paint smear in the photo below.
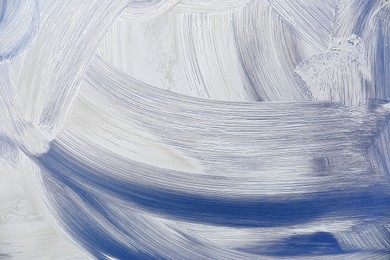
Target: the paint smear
pixel 181 129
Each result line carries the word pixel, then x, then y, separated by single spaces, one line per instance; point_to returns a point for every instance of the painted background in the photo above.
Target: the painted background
pixel 194 129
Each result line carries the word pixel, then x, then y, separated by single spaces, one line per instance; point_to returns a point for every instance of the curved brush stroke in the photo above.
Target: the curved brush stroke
pixel 113 231
pixel 204 42
pixel 99 184
pixel 194 129
pixel 184 53
pixel 19 20
pixel 53 67
pixel 246 212
pixel 25 230
pixel 370 21
pixel 273 78
pixel 12 125
pixel 311 20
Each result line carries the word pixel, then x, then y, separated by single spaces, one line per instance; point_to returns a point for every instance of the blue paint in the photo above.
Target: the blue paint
pixel 25 36
pixel 381 68
pixel 63 171
pixel 242 212
pixel 315 244
pixel 364 10
pixel 80 220
pixel 83 193
pixel 3 5
pixel 84 227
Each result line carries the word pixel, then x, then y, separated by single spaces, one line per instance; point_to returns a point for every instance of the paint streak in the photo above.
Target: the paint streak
pixel 180 129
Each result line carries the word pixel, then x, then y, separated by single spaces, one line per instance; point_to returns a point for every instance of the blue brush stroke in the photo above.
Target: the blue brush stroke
pixel 91 235
pixel 315 244
pixel 63 171
pixel 2 9
pixel 382 58
pixel 98 241
pixel 219 211
pixel 365 9
pixel 26 37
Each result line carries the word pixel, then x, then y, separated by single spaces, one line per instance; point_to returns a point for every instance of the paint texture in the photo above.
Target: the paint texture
pixel 183 129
